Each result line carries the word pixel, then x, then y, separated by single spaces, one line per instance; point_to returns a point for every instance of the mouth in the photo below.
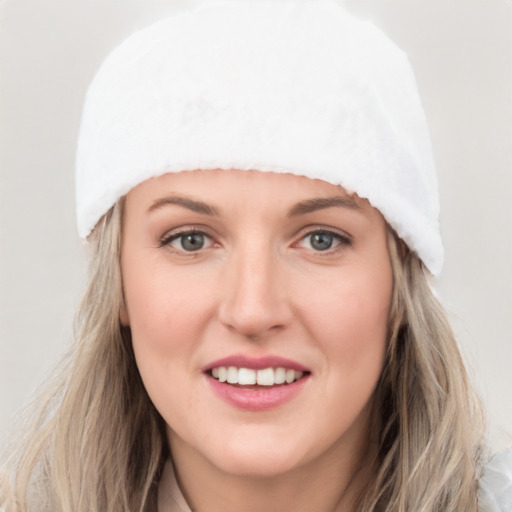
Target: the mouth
pixel 261 378
pixel 256 384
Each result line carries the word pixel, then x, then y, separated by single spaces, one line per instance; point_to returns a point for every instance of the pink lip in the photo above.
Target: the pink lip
pixel 251 398
pixel 260 399
pixel 256 363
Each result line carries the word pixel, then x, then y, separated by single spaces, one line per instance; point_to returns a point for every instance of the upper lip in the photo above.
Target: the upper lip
pixel 256 363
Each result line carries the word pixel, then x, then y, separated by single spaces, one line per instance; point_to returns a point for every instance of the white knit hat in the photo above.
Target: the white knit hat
pixel 295 86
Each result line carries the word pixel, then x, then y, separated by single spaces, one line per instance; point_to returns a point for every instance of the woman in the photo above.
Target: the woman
pixel 258 332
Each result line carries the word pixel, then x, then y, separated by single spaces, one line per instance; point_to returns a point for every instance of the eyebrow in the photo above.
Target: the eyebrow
pixel 301 208
pixel 321 203
pixel 184 202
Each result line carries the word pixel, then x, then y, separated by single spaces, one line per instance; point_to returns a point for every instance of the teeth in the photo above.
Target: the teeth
pixel 266 377
pixel 232 375
pixel 280 376
pixel 248 377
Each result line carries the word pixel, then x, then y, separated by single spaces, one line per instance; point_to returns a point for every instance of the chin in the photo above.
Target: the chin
pixel 263 467
pixel 255 458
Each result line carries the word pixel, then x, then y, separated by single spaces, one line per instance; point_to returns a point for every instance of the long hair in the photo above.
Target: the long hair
pixel 97 444
pixel 428 421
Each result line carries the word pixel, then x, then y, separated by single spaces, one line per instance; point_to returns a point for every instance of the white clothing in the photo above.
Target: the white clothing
pixel 495 487
pixel 496 484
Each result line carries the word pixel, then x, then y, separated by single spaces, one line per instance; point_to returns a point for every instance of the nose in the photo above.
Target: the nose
pixel 254 299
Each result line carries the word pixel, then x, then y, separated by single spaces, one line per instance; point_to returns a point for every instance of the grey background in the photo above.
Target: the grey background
pixel 462 54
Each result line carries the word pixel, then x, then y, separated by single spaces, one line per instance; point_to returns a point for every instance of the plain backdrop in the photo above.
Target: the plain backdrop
pixel 461 51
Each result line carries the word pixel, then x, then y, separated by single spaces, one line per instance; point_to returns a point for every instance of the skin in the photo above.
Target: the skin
pixel 258 286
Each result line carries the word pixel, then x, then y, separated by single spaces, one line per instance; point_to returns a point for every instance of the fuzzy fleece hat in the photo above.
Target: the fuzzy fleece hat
pixel 295 86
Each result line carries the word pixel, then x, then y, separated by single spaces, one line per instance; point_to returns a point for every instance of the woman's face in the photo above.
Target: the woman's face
pixel 256 278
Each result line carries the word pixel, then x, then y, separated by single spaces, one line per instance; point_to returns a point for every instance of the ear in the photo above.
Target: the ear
pixel 124 317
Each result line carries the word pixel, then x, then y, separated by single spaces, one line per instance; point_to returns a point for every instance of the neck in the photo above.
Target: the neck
pixel 327 484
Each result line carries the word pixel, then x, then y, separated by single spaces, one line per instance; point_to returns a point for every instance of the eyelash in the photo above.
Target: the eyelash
pixel 167 239
pixel 341 240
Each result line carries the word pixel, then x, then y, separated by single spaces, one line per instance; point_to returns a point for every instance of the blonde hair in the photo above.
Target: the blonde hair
pixel 428 420
pixel 98 444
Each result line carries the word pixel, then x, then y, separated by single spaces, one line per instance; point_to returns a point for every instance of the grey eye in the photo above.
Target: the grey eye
pixel 191 241
pixel 187 241
pixel 321 241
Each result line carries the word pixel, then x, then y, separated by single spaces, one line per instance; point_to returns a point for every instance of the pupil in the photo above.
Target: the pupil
pixel 321 241
pixel 192 242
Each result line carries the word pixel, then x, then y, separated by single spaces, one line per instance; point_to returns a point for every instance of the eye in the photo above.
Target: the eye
pixel 323 240
pixel 188 241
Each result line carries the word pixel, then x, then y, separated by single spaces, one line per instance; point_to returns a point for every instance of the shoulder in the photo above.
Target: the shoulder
pixel 496 484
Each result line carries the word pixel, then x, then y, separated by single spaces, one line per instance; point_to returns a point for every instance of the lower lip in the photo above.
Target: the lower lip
pixel 260 399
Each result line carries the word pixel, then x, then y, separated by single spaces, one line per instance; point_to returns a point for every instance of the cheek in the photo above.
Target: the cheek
pixel 349 308
pixel 348 318
pixel 165 321
pixel 166 312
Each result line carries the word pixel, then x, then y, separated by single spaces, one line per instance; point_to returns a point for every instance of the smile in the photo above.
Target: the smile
pixel 256 384
pixel 262 377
